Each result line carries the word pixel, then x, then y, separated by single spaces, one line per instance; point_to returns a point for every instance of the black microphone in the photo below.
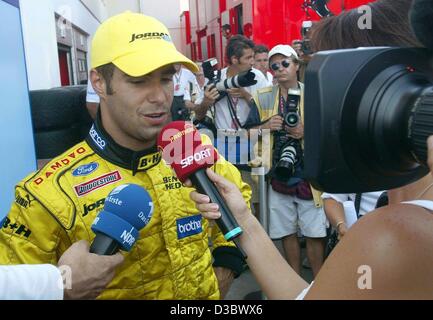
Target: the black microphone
pixel 421 18
pixel 127 209
pixel 181 147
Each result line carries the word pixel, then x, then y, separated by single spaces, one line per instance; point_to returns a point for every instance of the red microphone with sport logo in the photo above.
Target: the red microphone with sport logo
pixel 182 148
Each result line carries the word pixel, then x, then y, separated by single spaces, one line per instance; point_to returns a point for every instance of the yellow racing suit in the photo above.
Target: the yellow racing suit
pixel 56 206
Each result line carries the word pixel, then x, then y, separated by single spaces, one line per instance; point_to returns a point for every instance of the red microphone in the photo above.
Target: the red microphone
pixel 182 148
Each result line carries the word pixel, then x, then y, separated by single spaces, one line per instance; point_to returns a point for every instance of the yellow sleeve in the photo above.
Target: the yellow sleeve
pixel 29 234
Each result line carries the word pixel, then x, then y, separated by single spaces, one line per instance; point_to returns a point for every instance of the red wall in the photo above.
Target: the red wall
pixel 273 21
pixel 284 25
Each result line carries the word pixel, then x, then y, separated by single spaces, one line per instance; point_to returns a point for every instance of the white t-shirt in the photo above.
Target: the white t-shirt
pixel 197 90
pixel 269 78
pixel 223 118
pixel 367 204
pixel 31 282
pixel 91 94
pixel 182 80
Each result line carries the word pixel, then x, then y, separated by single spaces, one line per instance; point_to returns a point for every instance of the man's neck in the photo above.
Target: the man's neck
pixel 123 139
pixel 232 70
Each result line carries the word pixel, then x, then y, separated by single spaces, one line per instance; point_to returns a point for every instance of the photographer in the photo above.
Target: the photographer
pixel 202 96
pixel 291 199
pixel 232 110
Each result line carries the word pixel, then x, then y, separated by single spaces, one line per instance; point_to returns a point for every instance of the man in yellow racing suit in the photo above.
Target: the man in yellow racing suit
pixel 132 68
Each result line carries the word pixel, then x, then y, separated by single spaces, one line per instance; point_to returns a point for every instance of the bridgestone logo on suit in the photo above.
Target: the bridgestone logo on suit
pixel 97 183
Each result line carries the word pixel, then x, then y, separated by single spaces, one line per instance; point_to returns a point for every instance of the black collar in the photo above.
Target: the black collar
pixel 101 142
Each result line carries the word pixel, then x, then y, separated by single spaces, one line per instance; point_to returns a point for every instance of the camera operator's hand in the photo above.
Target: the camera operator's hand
pixel 275 123
pixel 240 93
pixel 296 132
pixel 210 95
pixel 297 45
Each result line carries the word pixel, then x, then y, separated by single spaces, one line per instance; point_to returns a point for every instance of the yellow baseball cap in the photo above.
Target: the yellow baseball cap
pixel 136 44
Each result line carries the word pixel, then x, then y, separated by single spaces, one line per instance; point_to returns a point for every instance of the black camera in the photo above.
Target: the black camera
pixel 243 79
pixel 321 7
pixel 287 150
pixel 291 119
pixel 368 112
pixel 287 156
pixel 305 44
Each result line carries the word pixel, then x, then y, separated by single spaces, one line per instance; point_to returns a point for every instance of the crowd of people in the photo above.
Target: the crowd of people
pixel 134 91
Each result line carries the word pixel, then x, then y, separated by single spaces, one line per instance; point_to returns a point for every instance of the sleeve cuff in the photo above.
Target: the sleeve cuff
pixel 230 258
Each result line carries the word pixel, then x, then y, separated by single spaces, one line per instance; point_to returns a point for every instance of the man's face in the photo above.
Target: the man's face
pixel 177 66
pixel 283 74
pixel 246 61
pixel 227 33
pixel 261 62
pixel 200 77
pixel 139 107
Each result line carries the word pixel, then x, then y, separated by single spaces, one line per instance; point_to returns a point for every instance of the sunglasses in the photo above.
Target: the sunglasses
pixel 275 66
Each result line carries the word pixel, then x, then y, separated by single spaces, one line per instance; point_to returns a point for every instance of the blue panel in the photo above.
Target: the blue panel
pixel 17 150
pixel 15 3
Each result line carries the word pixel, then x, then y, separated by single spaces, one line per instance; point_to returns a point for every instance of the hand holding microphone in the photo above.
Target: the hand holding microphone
pixel 127 209
pixel 181 147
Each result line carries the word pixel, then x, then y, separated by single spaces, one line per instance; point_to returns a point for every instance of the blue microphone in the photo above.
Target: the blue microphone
pixel 127 209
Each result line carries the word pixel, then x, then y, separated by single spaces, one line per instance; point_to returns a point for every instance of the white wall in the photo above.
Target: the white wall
pixel 168 12
pixel 119 6
pixel 39 32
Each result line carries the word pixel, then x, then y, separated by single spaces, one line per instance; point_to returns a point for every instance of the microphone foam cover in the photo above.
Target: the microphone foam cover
pixel 182 148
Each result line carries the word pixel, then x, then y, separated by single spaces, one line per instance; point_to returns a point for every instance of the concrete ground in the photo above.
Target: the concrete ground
pixel 246 288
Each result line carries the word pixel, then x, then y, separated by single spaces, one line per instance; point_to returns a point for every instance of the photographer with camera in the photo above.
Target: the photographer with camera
pixel 232 109
pixel 202 96
pixel 292 201
pixel 303 48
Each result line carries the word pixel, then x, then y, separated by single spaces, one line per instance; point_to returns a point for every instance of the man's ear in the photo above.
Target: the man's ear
pixel 98 83
pixel 234 60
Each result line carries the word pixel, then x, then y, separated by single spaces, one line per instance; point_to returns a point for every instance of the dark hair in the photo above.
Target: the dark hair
pixel 226 26
pixel 236 46
pixel 390 27
pixel 106 71
pixel 261 48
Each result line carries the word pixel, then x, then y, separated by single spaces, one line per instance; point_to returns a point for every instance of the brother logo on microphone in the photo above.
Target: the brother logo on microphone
pixel 188 226
pixel 196 157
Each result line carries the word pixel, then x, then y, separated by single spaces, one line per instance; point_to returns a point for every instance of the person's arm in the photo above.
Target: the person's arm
pixel 271 270
pixel 334 211
pixel 385 255
pixel 80 275
pixel 18 282
pixel 211 94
